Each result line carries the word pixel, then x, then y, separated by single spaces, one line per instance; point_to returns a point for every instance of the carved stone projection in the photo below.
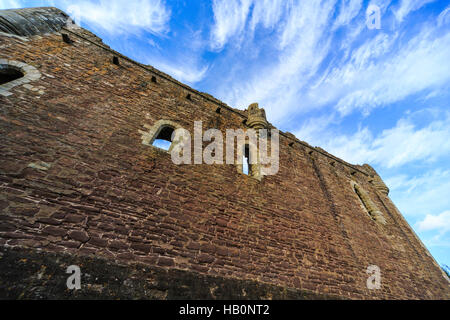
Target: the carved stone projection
pixel 256 120
pixel 371 208
pixel 376 180
pixel 256 117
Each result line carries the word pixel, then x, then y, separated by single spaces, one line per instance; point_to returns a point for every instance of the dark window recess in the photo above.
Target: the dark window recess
pixel 189 97
pixel 218 110
pixel 164 138
pixel 9 73
pixel 153 79
pixel 116 61
pixel 246 166
pixel 67 39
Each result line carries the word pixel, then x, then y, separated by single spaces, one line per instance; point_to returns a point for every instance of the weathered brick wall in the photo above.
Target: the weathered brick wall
pixel 76 179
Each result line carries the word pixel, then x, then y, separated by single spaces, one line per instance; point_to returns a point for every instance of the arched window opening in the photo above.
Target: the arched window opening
pixel 9 73
pixel 15 73
pixel 163 139
pixel 159 135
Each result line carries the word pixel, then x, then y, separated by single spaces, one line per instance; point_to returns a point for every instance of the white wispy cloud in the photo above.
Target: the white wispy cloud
pixel 440 222
pixel 382 4
pixel 421 192
pixel 374 76
pixel 121 17
pixel 235 20
pixel 394 147
pixel 347 11
pixel 184 72
pixel 10 4
pixel 444 17
pixel 230 19
pixel 186 65
pixel 116 17
pixel 267 13
pixel 371 72
pixel 408 6
pixel 296 57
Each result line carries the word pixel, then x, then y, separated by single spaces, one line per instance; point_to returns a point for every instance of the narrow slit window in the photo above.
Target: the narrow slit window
pixel 163 139
pixel 9 73
pixel 246 166
pixel 368 204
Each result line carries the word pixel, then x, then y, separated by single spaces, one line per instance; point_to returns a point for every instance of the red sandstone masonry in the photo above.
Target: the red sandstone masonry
pixel 104 193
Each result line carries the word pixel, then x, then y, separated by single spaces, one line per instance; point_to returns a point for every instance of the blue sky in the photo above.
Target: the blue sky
pixel 377 96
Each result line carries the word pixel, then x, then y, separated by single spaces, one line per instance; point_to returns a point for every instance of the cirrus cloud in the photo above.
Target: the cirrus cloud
pixel 122 17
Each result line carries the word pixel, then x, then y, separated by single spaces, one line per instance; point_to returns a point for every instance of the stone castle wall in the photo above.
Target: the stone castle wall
pixel 76 181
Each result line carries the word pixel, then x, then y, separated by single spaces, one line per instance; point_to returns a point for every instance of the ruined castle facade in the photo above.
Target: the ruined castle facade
pixel 81 184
